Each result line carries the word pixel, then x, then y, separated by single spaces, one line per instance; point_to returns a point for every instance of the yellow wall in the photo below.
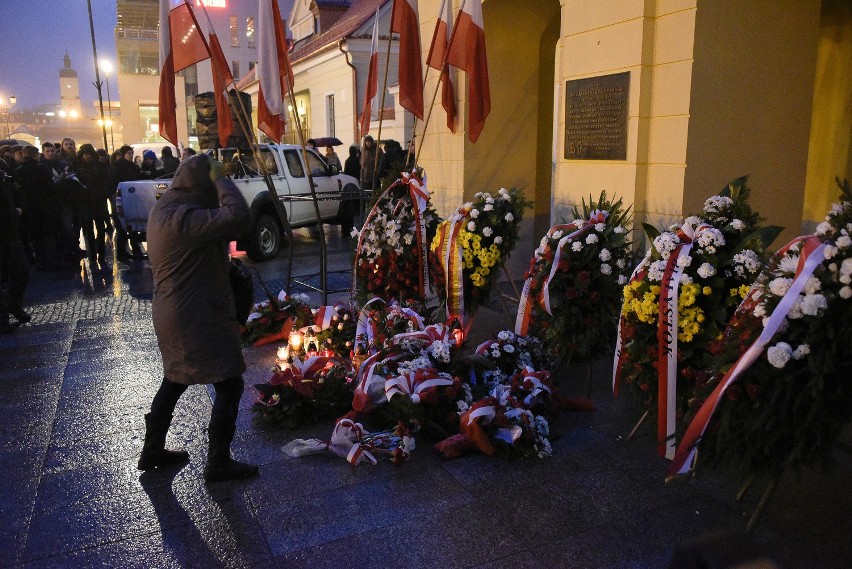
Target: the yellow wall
pixel 751 102
pixel 830 153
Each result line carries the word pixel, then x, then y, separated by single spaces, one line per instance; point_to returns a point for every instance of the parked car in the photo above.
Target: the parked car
pixel 134 200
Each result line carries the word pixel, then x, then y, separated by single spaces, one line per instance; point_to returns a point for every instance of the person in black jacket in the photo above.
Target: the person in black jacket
pixel 14 272
pixel 170 163
pixel 93 173
pixel 40 221
pixel 123 170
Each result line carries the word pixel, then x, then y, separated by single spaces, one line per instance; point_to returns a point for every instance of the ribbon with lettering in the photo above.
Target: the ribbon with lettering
pixel 450 254
pixel 811 256
pixel 420 200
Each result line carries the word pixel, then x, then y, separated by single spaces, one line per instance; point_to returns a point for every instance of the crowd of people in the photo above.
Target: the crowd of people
pixel 49 198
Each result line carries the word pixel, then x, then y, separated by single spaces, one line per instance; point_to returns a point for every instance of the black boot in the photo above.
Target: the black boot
pixel 154 453
pixel 220 465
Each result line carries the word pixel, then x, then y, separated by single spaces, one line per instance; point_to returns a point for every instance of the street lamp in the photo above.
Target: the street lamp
pixel 6 106
pixel 106 66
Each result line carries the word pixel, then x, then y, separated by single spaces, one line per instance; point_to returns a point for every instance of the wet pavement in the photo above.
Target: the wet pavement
pixel 75 383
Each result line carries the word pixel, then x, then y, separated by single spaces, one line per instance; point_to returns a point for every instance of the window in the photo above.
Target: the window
pixel 250 32
pixel 235 37
pixel 294 164
pixel 329 115
pixel 252 65
pixel 235 69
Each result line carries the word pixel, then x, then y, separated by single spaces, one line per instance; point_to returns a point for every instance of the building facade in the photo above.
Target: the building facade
pixel 713 89
pixel 137 49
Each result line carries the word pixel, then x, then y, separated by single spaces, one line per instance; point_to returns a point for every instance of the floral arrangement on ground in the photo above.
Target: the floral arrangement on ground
pixel 787 409
pixel 271 320
pixel 573 294
pixel 713 258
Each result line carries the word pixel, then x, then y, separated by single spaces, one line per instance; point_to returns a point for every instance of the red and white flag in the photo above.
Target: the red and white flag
pixel 222 79
pixel 372 79
pixel 405 22
pixel 274 72
pixel 437 54
pixel 467 51
pixel 181 45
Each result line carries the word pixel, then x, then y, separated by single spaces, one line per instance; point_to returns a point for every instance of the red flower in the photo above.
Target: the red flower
pixel 584 277
pixel 563 265
pixel 571 293
pixel 753 391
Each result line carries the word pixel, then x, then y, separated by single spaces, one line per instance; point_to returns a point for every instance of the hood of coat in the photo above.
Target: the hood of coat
pixel 192 179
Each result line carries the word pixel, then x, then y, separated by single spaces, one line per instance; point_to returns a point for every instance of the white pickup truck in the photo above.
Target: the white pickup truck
pixel 134 200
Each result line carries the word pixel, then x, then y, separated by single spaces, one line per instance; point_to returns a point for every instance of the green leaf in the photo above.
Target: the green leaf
pixel 651 231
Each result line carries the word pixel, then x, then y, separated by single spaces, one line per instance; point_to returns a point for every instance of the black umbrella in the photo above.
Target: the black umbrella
pixel 324 141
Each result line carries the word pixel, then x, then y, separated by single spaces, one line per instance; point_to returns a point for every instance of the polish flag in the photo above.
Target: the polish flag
pixel 404 22
pixel 274 72
pixel 467 51
pixel 437 54
pixel 181 45
pixel 372 79
pixel 222 79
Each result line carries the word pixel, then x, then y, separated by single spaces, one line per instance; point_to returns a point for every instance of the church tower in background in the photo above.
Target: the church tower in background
pixel 69 90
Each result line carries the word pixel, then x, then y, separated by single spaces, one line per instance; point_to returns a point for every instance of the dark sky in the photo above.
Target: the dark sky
pixel 37 33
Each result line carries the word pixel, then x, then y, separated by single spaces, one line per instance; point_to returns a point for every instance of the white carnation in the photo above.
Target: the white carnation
pixel 474 213
pixel 706 270
pixel 471 226
pixel 557 234
pixel 829 251
pixel 802 351
pixel 823 228
pixel 606 269
pixel 684 261
pixel 509 217
pixel 738 224
pixel 600 227
pixel 622 280
pixel 498 239
pixel 844 242
pixel 779 354
pixel 488 207
pixel 592 238
pixel 846 293
pixel 814 304
pixel 780 286
pixel 812 286
pixel 487 231
pixel 576 246
pixel 605 255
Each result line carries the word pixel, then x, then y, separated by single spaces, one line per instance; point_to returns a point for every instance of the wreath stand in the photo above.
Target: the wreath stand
pixel 504 297
pixel 762 503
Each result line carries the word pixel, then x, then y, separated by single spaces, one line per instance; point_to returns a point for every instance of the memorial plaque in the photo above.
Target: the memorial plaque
pixel 596 117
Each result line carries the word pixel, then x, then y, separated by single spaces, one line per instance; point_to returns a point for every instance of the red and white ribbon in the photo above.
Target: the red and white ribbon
pixel 418 385
pixel 667 351
pixel 420 200
pixel 431 333
pixel 323 316
pixel 369 386
pixel 810 258
pixel 639 273
pixel 485 409
pixel 365 329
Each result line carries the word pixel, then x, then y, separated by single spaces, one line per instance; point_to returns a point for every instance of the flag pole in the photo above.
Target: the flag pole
pixel 245 124
pixel 381 108
pixel 414 126
pixel 444 69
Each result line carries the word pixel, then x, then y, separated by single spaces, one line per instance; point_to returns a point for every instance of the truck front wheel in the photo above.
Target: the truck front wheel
pixel 265 239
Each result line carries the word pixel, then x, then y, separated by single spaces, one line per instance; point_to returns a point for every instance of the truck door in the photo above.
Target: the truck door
pixel 302 208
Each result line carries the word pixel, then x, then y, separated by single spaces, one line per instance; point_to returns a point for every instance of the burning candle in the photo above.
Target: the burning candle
pixel 295 340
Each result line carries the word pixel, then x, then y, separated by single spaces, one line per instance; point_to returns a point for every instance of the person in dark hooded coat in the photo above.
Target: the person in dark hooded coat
pixel 193 309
